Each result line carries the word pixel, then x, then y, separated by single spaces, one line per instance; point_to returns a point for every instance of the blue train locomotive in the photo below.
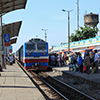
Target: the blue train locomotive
pixel 33 54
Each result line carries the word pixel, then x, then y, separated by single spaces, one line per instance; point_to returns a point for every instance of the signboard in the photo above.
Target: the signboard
pixel 10 49
pixel 1 52
pixel 7 39
pixel 79 44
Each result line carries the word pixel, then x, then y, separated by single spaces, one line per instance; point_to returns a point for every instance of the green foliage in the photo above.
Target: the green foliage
pixel 84 33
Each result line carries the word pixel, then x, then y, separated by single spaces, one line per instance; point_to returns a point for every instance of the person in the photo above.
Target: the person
pixel 49 59
pixel 58 60
pixel 85 53
pixel 80 63
pixel 61 60
pixel 73 66
pixel 8 60
pixel 68 59
pixel 65 59
pixel 72 59
pixel 0 68
pixel 4 59
pixel 11 59
pixel 87 63
pixel 76 59
pixel 96 56
pixel 91 58
pixel 53 59
pixel 56 64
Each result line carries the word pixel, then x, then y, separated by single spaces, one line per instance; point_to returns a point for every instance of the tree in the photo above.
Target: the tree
pixel 84 33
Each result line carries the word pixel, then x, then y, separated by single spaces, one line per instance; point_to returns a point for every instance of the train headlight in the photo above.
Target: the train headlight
pixel 28 53
pixel 43 53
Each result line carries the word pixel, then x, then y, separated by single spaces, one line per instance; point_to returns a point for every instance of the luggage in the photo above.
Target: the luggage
pixel 10 63
pixel 14 61
pixel 84 68
pixel 94 70
pixel 0 68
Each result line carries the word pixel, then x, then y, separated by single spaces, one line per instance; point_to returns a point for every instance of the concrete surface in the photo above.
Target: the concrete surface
pixel 92 77
pixel 15 85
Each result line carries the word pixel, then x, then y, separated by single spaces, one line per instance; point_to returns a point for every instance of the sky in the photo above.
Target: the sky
pixel 48 14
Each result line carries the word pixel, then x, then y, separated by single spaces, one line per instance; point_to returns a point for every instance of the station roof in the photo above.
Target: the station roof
pixel 11 5
pixel 12 41
pixel 12 29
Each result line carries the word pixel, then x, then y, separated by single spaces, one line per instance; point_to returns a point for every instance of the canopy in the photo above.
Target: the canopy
pixel 11 5
pixel 12 29
pixel 12 41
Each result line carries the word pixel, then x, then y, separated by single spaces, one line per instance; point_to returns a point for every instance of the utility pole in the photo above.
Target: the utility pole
pixel 77 14
pixel 1 41
pixel 45 34
pixel 5 7
pixel 68 28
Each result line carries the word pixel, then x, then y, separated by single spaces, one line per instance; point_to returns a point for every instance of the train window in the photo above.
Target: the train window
pixel 41 46
pixel 36 40
pixel 30 46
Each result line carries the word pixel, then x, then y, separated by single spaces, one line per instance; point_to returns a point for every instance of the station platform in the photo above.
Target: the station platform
pixel 16 85
pixel 91 77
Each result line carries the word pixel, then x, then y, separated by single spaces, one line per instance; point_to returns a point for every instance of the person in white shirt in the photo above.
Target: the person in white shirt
pixel 53 59
pixel 4 59
pixel 11 59
pixel 96 60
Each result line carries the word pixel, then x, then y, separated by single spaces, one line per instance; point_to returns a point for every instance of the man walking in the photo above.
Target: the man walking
pixel 80 63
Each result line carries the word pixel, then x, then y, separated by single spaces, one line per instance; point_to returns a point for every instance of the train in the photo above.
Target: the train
pixel 33 54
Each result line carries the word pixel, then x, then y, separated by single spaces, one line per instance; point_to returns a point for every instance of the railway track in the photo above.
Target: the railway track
pixel 48 93
pixel 63 90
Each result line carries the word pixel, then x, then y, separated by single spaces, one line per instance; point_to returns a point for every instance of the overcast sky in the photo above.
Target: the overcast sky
pixel 48 14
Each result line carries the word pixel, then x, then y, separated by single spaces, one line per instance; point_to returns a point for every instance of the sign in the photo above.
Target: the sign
pixel 1 52
pixel 82 43
pixel 7 39
pixel 10 49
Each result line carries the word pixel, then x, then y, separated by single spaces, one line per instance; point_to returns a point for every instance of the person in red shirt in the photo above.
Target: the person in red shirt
pixel 65 59
pixel 56 60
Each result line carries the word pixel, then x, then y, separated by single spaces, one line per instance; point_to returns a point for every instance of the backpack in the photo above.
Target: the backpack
pixel 91 60
pixel 67 58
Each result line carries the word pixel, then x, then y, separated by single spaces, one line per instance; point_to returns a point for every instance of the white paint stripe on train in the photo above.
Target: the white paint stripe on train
pixel 36 57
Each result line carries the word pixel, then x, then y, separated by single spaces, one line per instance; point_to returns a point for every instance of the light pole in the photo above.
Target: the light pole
pixel 68 28
pixel 77 14
pixel 45 34
pixel 1 41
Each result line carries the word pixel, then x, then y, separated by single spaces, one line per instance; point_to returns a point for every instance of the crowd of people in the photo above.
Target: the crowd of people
pixel 9 60
pixel 77 61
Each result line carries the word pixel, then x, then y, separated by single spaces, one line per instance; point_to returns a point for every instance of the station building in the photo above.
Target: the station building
pixel 78 46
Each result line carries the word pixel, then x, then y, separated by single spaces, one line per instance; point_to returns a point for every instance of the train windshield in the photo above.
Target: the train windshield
pixel 30 47
pixel 41 46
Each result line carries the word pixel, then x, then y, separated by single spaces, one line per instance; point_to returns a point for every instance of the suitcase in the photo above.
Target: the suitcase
pixel 10 63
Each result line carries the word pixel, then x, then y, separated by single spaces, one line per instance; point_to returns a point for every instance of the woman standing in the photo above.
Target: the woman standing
pixel 87 63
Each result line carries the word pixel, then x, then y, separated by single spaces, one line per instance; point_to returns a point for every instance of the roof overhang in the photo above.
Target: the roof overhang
pixel 12 41
pixel 11 5
pixel 12 29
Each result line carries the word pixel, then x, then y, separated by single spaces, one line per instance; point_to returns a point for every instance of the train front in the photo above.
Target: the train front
pixel 36 55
